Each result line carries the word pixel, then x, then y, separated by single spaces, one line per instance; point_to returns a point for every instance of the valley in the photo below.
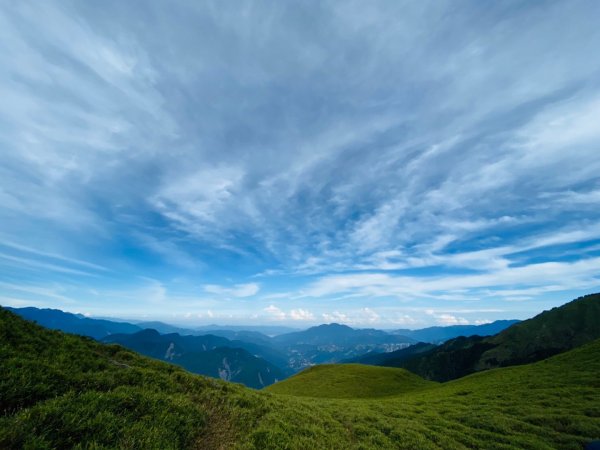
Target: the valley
pixel 249 357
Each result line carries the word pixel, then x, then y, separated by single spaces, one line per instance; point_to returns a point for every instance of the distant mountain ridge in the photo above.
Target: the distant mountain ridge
pixel 437 335
pixel 269 330
pixel 288 351
pixel 332 343
pixel 392 359
pixel 56 319
pixel 209 355
pixel 547 334
pixel 335 333
pixel 166 328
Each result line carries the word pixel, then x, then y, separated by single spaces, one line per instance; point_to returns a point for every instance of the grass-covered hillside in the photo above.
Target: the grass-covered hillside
pixel 350 381
pixel 64 391
pixel 549 333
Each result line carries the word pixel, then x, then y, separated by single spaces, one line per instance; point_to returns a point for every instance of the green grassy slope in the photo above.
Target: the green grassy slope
pixel 63 391
pixel 549 333
pixel 60 391
pixel 554 403
pixel 350 381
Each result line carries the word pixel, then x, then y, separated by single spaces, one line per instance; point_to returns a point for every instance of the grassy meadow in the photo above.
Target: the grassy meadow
pixel 352 381
pixel 64 391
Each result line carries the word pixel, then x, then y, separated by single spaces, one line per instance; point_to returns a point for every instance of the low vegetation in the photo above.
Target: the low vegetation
pixel 64 391
pixel 350 381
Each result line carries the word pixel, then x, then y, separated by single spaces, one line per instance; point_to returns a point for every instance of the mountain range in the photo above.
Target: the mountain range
pixel 61 390
pixel 258 359
pixel 547 334
pixel 209 355
pixel 75 323
pixel 392 359
pixel 437 335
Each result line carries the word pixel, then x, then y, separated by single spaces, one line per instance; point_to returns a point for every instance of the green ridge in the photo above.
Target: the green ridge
pixel 350 381
pixel 547 334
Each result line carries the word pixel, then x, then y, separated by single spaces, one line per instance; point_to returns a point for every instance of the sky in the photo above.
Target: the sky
pixel 392 164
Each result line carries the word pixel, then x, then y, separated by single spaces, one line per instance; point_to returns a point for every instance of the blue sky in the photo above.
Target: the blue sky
pixel 390 164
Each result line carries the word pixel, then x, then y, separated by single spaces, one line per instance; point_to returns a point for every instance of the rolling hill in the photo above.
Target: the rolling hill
pixel 64 391
pixel 350 381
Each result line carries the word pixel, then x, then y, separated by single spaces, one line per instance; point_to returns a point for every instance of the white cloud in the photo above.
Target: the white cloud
pixel 275 313
pixel 357 317
pixel 482 321
pixel 565 275
pixel 301 314
pixel 33 264
pixel 446 319
pixel 403 320
pixel 449 319
pixel 196 202
pixel 237 290
pixel 336 316
pixel 403 149
pixel 51 255
pixel 370 316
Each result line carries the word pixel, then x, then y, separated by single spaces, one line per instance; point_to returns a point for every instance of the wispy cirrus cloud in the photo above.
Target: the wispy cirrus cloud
pixel 342 149
pixel 238 290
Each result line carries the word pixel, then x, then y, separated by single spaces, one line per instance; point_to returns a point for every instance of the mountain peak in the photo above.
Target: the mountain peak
pixel 148 332
pixel 332 326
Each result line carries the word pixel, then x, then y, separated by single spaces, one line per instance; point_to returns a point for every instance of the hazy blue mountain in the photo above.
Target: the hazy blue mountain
pixel 206 355
pixel 334 343
pixel 268 330
pixel 232 364
pixel 437 335
pixel 290 351
pixel 166 328
pixel 75 323
pixel 166 346
pixel 247 336
pixel 341 335
pixel 253 342
pixel 267 352
pixel 395 358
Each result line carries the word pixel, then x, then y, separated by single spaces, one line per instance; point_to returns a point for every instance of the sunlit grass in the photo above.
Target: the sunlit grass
pixel 62 391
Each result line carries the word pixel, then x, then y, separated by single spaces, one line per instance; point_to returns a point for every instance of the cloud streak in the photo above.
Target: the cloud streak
pixel 403 150
pixel 238 290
